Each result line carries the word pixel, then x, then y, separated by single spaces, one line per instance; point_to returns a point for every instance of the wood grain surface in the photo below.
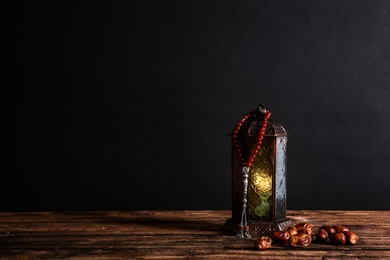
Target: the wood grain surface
pixel 176 235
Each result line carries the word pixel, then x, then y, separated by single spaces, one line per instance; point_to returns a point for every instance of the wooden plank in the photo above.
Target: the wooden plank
pixel 182 242
pixel 174 235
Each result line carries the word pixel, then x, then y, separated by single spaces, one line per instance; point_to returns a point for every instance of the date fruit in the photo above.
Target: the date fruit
pixel 329 229
pixel 292 230
pixel 351 237
pixel 321 236
pixel 305 228
pixel 281 236
pixel 263 243
pixel 338 238
pixel 299 240
pixel 340 229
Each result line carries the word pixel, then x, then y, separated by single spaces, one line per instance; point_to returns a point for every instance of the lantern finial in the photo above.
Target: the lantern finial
pixel 262 108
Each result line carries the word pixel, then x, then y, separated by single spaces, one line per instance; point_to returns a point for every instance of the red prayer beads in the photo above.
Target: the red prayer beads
pixel 260 137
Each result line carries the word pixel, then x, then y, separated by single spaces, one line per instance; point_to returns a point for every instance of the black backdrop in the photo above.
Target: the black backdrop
pixel 125 105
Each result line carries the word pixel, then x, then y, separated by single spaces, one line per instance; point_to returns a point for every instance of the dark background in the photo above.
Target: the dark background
pixel 125 105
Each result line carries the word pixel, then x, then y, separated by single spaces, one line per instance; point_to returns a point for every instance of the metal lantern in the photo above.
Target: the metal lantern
pixel 259 191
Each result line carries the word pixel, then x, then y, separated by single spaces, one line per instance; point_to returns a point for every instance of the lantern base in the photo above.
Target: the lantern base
pixel 257 228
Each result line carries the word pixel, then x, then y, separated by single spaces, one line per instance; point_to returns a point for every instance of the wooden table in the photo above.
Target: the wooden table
pixel 175 234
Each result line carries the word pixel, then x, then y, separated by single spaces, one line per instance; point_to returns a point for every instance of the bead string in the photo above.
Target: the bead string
pixel 260 138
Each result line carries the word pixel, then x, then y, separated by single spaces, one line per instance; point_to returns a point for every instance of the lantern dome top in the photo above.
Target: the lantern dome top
pixel 252 126
pixel 272 129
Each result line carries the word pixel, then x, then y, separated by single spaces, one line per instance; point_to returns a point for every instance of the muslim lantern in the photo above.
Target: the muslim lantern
pixel 258 175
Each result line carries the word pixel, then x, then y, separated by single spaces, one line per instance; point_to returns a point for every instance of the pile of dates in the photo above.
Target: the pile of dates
pixel 338 235
pixel 301 235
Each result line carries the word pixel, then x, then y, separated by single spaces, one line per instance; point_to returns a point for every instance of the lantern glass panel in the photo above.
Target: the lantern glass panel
pixel 280 182
pixel 260 195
